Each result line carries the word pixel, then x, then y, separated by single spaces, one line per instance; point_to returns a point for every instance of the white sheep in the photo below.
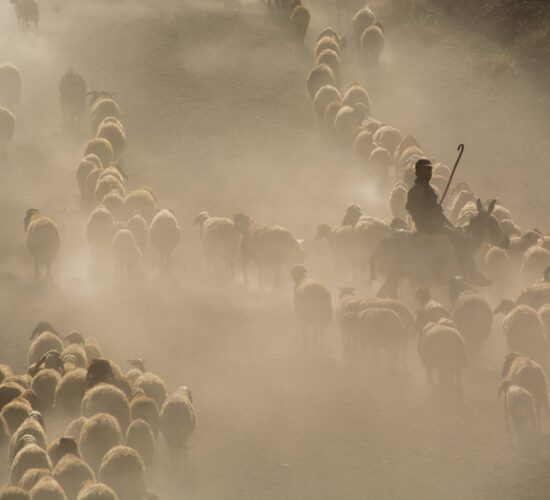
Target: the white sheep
pixel 165 235
pixel 324 97
pixel 100 229
pixel 15 413
pixel 8 392
pixel 122 469
pixel 524 330
pixel 106 184
pixel 47 488
pixel 44 385
pixel 84 168
pixel 362 19
pixel 32 476
pixel 269 247
pixel 331 58
pixel 70 391
pixel 327 43
pixel 139 436
pixel 142 200
pixel 356 94
pixel 535 260
pixel 299 19
pixel 42 238
pixel 372 44
pixel 72 96
pixel 220 241
pixel 102 106
pixel 140 230
pixel 523 371
pixel 106 398
pixel 71 473
pixel 177 422
pixel 519 405
pixel 127 255
pixel 347 121
pixel 145 408
pixel 442 349
pixel 41 345
pixel 114 202
pixel 152 386
pixel 363 145
pixel 99 434
pixel 389 138
pixel 102 148
pixel 96 491
pixel 312 306
pixel 10 85
pixel 112 130
pixel 7 128
pixel 398 200
pixel 319 76
pixel 29 457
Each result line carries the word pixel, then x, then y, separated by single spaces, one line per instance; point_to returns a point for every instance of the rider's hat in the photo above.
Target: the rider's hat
pixel 422 165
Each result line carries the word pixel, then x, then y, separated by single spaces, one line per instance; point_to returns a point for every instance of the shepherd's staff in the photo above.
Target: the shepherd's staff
pixel 461 151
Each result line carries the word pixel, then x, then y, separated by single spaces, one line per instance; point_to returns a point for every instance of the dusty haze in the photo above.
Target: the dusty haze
pixel 218 119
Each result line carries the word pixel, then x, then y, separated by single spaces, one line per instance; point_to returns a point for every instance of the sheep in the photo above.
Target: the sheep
pixel 370 232
pixel 47 488
pixel 83 169
pixel 127 255
pixel 362 20
pixel 74 429
pixel 70 391
pixel 99 434
pixel 91 181
pixel 442 349
pixel 45 342
pixel 323 98
pixel 102 106
pixel 526 373
pixel 363 145
pixel 137 367
pixel 398 200
pixel 15 413
pixel 331 33
pixel 112 130
pixel 7 128
pixel 64 445
pixel 153 386
pixel 379 165
pixel 318 77
pixel 347 122
pixel 33 425
pixel 96 491
pixel 139 436
pixel 327 43
pixel 27 13
pixel 389 138
pixel 145 408
pixel 299 19
pixel 535 260
pixel 10 85
pixel 142 200
pixel 114 202
pixel 106 184
pixel 269 247
pixel 44 384
pixel 72 96
pixel 331 59
pixel 524 330
pixel 510 229
pixel 77 352
pixel 102 148
pixel 329 114
pixel 496 266
pixel 165 235
pixel 381 328
pixel 29 456
pixel 356 94
pixel 42 238
pixel 139 228
pixel 342 241
pixel 122 469
pixel 100 230
pixel 14 493
pixel 8 392
pixel 220 241
pixel 372 44
pixel 71 473
pixel 312 306
pixel 23 380
pixel 106 398
pixel 177 422
pixel 32 476
pixel 473 317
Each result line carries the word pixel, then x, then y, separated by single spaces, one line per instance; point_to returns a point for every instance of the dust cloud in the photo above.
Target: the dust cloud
pixel 217 119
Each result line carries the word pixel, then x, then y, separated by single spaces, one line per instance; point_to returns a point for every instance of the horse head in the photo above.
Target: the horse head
pixel 484 226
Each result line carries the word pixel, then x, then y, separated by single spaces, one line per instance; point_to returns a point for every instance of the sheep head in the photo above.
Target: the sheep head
pixel 504 307
pixel 347 291
pixel 323 232
pixel 100 370
pixel 242 222
pixel 508 360
pixel 201 218
pixel 298 273
pixel 41 327
pixel 32 213
pixel 137 363
pixel 67 446
pixel 74 338
pixel 353 213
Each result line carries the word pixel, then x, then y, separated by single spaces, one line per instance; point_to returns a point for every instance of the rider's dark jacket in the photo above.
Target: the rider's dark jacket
pixel 424 208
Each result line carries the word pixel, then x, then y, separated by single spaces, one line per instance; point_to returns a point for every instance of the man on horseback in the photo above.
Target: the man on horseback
pixel 427 214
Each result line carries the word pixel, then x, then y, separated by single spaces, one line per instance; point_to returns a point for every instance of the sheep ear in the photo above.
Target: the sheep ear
pixel 491 206
pixel 479 205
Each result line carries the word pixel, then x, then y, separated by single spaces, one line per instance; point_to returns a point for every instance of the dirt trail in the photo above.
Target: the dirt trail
pixel 218 119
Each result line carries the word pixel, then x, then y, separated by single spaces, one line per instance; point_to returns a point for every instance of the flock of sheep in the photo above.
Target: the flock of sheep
pixel 114 418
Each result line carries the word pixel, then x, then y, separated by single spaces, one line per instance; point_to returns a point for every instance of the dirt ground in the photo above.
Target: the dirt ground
pixel 218 119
